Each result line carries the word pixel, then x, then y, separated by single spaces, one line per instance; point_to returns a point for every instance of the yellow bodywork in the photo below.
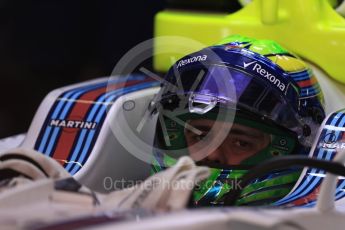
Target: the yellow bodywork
pixel 310 28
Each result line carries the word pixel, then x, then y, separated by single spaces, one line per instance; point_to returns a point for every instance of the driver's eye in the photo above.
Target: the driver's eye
pixel 199 137
pixel 240 143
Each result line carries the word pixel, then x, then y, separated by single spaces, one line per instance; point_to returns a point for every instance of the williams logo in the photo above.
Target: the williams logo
pixel 330 141
pixel 336 145
pixel 264 73
pixel 73 124
pixel 191 60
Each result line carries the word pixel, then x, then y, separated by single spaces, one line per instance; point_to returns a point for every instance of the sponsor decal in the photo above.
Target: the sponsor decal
pixel 337 145
pixel 191 60
pixel 265 74
pixel 330 142
pixel 246 65
pixel 73 124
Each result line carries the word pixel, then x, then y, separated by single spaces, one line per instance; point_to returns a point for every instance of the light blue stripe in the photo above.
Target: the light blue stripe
pixel 301 191
pixel 309 92
pixel 342 123
pixel 302 186
pixel 58 109
pixel 77 149
pixel 339 193
pixel 61 103
pixel 312 87
pixel 300 77
pixel 47 131
pixel 61 117
pixel 309 205
pixel 304 72
pixel 310 187
pixel 68 106
pixel 100 115
pixel 44 139
pixel 304 78
pixel 335 120
pixel 88 143
pixel 101 112
pixel 328 157
pixel 88 119
pixel 51 144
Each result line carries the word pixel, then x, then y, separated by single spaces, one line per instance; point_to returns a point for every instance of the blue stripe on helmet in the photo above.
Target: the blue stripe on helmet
pixel 310 91
pixel 305 75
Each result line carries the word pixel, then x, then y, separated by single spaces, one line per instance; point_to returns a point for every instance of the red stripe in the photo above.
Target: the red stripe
pixel 307 199
pixel 307 83
pixel 78 113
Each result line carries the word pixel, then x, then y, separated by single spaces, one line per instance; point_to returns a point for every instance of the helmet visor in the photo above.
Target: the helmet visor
pixel 200 90
pixel 207 108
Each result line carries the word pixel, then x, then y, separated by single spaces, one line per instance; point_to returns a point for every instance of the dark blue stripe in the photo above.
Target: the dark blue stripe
pixel 98 117
pixel 59 108
pixel 53 137
pixel 300 191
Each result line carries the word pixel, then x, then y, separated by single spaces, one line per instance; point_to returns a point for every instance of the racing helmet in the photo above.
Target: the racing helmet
pixel 231 106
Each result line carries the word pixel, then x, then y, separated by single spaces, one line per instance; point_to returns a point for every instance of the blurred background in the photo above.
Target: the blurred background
pixel 46 44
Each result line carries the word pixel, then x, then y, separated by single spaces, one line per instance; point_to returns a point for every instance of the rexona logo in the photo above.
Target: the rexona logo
pixel 264 73
pixel 73 124
pixel 191 60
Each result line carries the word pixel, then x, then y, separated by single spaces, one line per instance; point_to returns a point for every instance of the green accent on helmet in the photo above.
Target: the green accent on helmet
pixel 280 180
pixel 263 47
pixel 267 189
pixel 235 38
pixel 266 47
pixel 270 189
pixel 272 194
pixel 155 166
pixel 206 185
pixel 234 177
pixel 169 161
